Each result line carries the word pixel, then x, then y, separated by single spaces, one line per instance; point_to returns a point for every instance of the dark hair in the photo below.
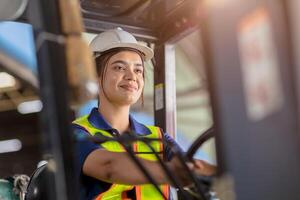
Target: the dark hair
pixel 102 61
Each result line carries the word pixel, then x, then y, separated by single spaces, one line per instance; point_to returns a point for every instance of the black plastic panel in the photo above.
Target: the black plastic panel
pixel 110 8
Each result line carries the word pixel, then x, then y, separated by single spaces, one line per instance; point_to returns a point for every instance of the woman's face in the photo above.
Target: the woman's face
pixel 123 79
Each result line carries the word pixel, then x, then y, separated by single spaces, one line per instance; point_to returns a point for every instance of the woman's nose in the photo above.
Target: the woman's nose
pixel 130 75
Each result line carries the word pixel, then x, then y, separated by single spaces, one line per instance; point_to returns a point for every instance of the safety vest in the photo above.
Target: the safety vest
pixel 118 191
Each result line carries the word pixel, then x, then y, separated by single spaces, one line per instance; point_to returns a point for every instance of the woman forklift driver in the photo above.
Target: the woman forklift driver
pixel 106 172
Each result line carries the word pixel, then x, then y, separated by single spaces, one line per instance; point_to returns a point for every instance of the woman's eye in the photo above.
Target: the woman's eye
pixel 119 67
pixel 139 71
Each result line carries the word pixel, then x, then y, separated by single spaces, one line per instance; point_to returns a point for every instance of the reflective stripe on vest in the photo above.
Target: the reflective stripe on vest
pixel 117 191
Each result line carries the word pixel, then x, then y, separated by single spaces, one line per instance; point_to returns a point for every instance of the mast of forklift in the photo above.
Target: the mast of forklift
pixel 61 53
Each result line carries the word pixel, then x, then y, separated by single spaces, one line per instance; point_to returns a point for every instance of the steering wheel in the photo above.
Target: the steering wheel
pixel 37 187
pixel 204 181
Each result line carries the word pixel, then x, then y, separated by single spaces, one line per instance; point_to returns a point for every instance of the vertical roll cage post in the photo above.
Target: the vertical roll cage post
pixel 55 117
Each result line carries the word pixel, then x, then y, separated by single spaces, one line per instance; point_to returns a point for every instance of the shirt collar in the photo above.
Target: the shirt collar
pixel 137 127
pixel 98 121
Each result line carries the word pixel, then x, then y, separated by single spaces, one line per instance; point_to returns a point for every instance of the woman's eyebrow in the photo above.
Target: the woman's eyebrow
pixel 126 63
pixel 120 61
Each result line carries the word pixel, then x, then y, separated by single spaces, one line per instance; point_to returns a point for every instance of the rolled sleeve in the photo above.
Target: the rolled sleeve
pixel 170 146
pixel 83 147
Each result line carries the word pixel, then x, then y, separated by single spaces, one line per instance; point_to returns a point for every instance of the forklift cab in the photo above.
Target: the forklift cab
pixel 241 57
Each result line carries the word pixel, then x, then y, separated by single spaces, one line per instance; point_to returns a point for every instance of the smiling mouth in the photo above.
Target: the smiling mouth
pixel 129 88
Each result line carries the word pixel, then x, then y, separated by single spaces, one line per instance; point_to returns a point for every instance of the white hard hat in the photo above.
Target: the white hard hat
pixel 116 38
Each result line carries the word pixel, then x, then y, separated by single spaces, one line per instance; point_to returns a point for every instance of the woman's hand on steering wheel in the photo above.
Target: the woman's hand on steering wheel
pixel 203 168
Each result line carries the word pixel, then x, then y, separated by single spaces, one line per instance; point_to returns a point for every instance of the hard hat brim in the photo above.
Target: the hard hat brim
pixel 148 52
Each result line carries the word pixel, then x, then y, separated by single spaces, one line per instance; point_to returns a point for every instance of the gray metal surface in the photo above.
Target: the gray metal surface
pixel 261 155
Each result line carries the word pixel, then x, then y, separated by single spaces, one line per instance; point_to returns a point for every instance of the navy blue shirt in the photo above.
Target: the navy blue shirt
pixel 91 187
